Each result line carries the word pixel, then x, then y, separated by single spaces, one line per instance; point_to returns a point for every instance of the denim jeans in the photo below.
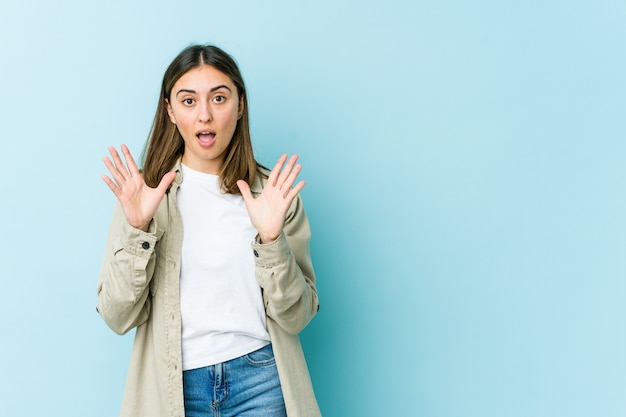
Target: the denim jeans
pixel 246 386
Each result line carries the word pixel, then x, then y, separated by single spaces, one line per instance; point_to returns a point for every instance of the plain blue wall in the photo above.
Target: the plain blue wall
pixel 465 165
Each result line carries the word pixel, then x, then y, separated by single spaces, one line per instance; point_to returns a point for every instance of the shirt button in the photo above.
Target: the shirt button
pixel 145 245
pixel 256 253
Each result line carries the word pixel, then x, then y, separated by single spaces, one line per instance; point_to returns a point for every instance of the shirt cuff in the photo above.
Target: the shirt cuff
pixel 137 241
pixel 271 254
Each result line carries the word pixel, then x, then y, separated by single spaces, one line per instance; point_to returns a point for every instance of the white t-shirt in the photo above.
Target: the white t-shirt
pixel 221 303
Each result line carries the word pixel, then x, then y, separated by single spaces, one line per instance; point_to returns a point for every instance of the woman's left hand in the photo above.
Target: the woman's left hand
pixel 267 211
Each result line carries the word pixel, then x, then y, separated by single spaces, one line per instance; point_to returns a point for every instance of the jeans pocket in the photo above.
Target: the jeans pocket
pixel 261 357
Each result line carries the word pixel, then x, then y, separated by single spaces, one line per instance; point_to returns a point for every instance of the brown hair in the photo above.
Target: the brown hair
pixel 165 144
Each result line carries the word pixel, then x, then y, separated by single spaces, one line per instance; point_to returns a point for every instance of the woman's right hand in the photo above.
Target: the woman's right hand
pixel 139 201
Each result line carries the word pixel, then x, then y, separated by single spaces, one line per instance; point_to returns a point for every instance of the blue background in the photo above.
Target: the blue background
pixel 465 165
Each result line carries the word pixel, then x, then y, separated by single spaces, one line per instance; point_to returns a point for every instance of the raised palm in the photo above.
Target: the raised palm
pixel 267 211
pixel 139 201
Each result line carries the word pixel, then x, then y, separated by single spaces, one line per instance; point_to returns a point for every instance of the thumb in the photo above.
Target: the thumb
pixel 166 181
pixel 245 190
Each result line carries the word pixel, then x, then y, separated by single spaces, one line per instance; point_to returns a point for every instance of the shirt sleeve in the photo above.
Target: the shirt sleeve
pixel 125 275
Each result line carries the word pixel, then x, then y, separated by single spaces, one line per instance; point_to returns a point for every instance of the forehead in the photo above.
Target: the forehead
pixel 203 77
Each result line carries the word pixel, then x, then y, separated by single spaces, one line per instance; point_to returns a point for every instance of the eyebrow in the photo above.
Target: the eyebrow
pixel 184 90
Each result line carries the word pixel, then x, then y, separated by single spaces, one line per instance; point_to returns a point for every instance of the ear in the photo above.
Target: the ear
pixel 170 112
pixel 241 106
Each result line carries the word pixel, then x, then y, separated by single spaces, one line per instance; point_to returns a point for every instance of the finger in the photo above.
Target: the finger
pixel 294 191
pixel 275 172
pixel 166 181
pixel 130 161
pixel 245 191
pixel 118 162
pixel 115 173
pixel 284 175
pixel 111 184
pixel 291 179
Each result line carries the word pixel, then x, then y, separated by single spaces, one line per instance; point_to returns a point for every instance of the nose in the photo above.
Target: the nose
pixel 205 113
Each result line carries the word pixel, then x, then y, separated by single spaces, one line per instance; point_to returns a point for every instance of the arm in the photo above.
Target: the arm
pixel 282 255
pixel 129 256
pixel 127 269
pixel 285 273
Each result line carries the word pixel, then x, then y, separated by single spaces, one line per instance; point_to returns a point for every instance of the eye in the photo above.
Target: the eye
pixel 188 101
pixel 219 99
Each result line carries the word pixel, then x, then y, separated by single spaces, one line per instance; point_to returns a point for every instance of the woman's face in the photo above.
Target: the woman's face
pixel 204 104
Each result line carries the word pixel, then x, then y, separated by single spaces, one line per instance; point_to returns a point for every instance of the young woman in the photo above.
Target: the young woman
pixel 208 258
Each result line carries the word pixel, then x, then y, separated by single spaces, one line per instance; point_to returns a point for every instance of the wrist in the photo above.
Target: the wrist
pixel 265 238
pixel 144 227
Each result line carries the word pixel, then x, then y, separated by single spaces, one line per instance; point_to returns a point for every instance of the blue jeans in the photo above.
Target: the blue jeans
pixel 246 386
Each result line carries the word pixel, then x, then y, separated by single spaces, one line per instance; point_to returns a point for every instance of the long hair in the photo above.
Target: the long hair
pixel 165 144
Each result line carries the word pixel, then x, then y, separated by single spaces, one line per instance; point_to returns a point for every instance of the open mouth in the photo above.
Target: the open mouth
pixel 206 138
